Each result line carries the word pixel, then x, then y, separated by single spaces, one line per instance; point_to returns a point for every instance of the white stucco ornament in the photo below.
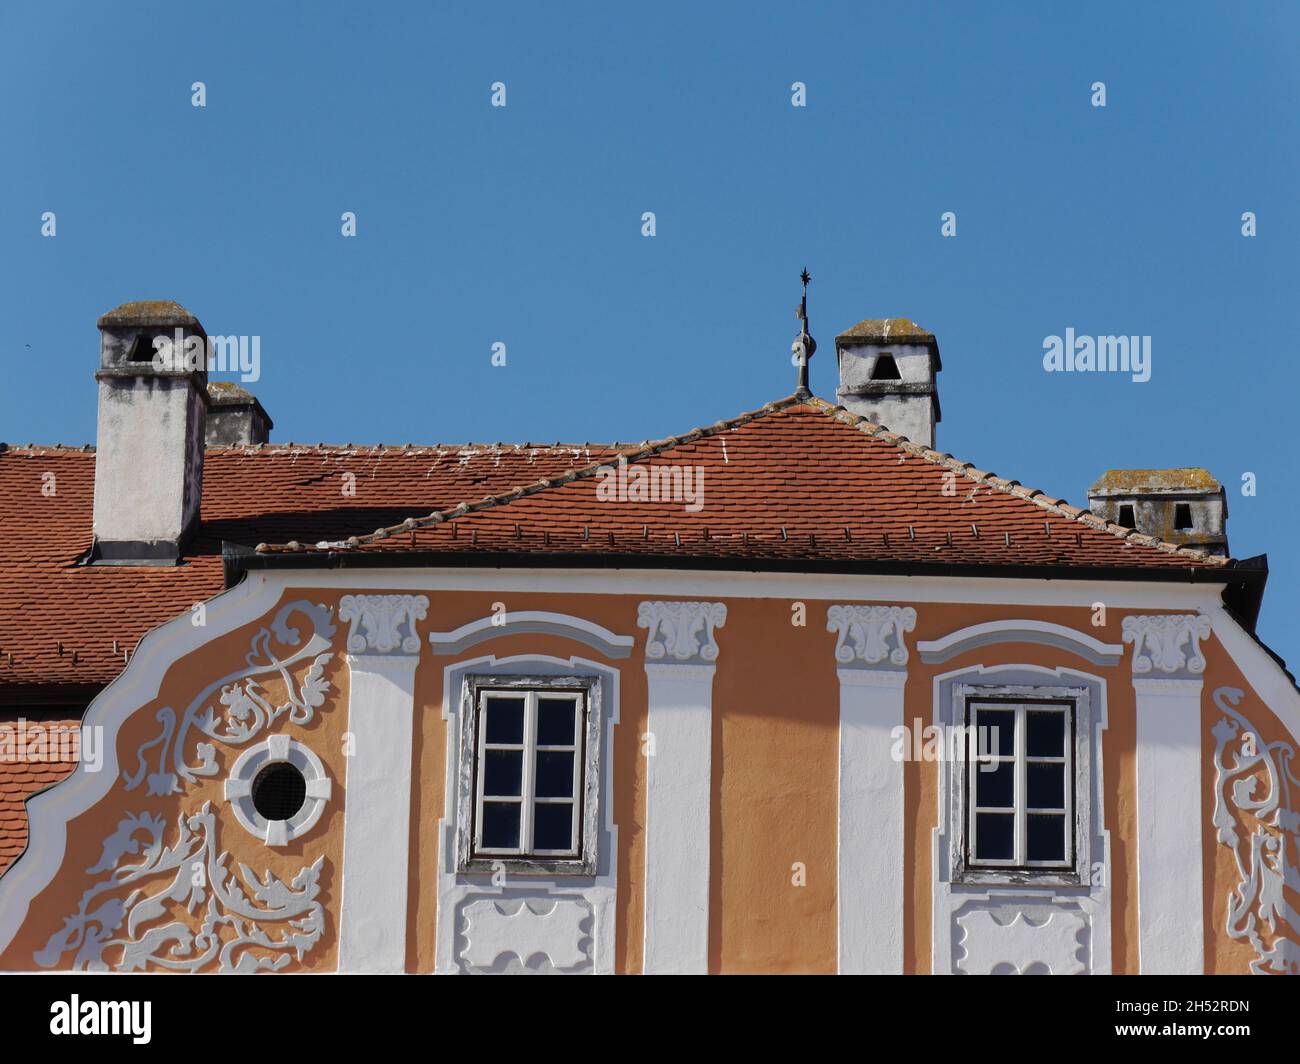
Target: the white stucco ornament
pixel 383 624
pixel 681 631
pixel 239 789
pixel 1005 942
pixel 1254 817
pixel 552 930
pixel 868 635
pixel 173 905
pixel 1167 643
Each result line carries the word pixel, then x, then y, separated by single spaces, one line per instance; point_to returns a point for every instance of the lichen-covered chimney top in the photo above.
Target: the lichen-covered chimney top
pixel 888 374
pixel 1186 506
pixel 235 417
pixel 147 312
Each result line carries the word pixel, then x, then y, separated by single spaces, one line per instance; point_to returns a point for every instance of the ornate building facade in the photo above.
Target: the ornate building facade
pixel 788 693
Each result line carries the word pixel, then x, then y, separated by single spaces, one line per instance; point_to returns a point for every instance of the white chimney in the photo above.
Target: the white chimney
pixel 888 369
pixel 152 415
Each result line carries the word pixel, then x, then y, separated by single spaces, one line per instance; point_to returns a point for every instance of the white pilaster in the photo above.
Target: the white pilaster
pixel 382 656
pixel 1167 664
pixel 872 657
pixel 680 651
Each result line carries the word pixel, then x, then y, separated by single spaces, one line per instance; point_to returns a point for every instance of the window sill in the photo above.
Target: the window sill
pixel 523 866
pixel 1018 878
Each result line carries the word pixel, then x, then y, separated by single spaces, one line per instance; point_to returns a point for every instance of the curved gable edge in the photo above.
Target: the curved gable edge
pixel 50 811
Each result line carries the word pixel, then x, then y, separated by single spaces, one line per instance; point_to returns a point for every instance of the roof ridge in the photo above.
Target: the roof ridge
pixel 1008 487
pixel 645 450
pixel 351 448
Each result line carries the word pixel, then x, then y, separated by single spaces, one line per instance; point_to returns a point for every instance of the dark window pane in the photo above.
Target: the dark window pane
pixel 503 772
pixel 505 720
pixel 553 826
pixel 994 836
pixel 555 721
pixel 1003 741
pixel 500 825
pixel 995 788
pixel 279 791
pixel 554 774
pixel 1045 838
pixel 1046 785
pixel 1044 733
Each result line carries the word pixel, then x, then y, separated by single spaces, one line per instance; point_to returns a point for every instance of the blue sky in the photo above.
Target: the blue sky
pixel 522 224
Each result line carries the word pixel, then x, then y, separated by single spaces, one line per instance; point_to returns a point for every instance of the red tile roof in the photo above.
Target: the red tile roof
pixel 19 780
pixel 796 480
pixel 799 480
pixel 66 623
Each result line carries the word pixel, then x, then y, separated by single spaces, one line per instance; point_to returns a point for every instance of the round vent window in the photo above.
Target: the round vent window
pixel 279 791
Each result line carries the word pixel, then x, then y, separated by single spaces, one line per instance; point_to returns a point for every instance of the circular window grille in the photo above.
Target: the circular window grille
pixel 278 790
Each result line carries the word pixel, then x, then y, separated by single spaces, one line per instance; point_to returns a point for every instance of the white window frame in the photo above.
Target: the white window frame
pixel 581 857
pixel 1074 871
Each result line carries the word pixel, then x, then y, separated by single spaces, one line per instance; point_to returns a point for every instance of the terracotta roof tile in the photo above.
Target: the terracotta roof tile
pixel 66 623
pixel 794 480
pixel 20 780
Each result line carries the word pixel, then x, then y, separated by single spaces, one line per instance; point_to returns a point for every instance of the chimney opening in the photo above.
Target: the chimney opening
pixel 142 350
pixel 1182 517
pixel 1126 517
pixel 885 369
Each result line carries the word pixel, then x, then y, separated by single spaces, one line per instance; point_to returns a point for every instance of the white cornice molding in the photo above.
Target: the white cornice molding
pixel 681 632
pixel 1019 630
pixel 383 624
pixel 1167 644
pixel 870 636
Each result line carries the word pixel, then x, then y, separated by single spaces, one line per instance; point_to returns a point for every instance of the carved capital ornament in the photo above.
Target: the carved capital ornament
pixel 870 636
pixel 681 631
pixel 383 624
pixel 1167 644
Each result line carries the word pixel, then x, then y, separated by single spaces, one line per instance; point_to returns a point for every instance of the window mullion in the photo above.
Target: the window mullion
pixel 1021 797
pixel 1069 783
pixel 530 760
pixel 480 739
pixel 969 790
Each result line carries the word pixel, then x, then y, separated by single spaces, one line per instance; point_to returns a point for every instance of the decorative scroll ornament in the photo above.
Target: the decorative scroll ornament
pixel 493 931
pixel 248 711
pixel 870 634
pixel 682 631
pixel 126 911
pixel 1255 819
pixel 1002 941
pixel 1169 642
pixel 383 623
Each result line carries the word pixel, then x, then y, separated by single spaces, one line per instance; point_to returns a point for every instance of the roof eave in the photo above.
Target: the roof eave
pixel 1243 582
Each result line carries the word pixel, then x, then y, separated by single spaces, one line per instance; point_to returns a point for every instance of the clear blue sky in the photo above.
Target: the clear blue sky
pixel 523 225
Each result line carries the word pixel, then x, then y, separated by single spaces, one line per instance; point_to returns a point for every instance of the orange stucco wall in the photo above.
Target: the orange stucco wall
pixel 774 793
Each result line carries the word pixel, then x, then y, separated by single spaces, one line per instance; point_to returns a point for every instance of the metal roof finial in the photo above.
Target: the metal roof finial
pixel 804 346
